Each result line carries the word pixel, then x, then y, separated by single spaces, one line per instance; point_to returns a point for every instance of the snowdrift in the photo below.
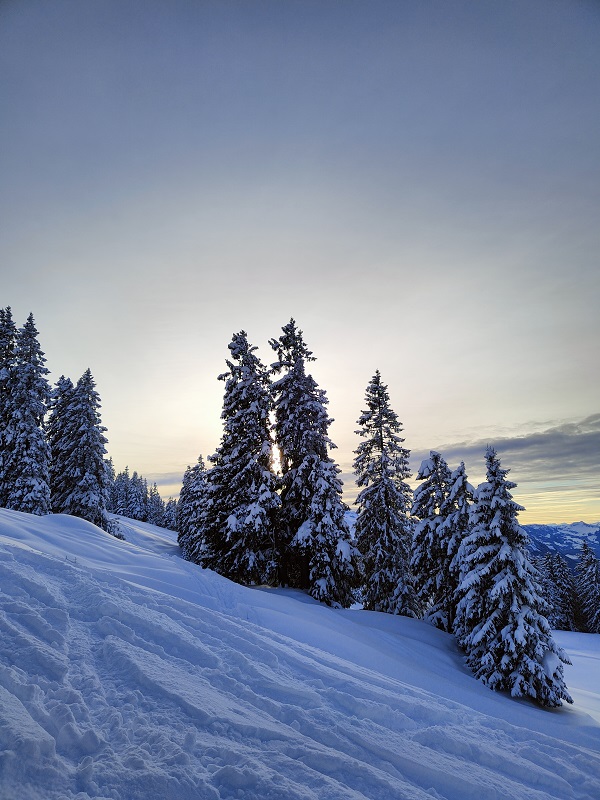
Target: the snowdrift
pixel 128 673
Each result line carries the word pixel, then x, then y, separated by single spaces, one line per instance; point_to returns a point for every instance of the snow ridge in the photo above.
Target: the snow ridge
pixel 126 672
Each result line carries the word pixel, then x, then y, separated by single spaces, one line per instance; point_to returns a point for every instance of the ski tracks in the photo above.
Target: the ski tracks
pixel 113 691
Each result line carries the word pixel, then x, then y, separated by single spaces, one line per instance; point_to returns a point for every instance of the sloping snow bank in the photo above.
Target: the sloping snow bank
pixel 128 673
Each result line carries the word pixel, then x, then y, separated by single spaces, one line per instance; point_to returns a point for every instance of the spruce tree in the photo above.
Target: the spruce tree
pixel 383 525
pixel 155 507
pixel 588 589
pixel 170 516
pixel 188 511
pixel 137 498
pixel 501 623
pixel 313 546
pixel 456 526
pixel 110 478
pixel 8 338
pixel 238 521
pixel 78 450
pixel 431 559
pixel 559 589
pixel 120 493
pixel 61 435
pixel 26 458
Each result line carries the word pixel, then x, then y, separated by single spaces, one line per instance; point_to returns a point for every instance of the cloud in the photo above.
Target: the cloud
pixel 559 456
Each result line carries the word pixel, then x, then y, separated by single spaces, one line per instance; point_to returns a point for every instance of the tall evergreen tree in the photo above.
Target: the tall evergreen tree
pixel 192 499
pixel 314 550
pixel 170 517
pixel 155 507
pixel 238 519
pixel 456 526
pixel 501 621
pixel 110 477
pixel 588 589
pixel 27 456
pixel 120 493
pixel 61 435
pixel 383 525
pixel 78 449
pixel 137 505
pixel 559 589
pixel 8 338
pixel 431 559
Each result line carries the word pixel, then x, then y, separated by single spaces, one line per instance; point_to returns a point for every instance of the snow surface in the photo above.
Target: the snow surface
pixel 126 672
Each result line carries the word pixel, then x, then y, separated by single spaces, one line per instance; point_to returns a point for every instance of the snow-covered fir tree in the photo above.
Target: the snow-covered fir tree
pixel 188 509
pixel 588 589
pixel 383 526
pixel 61 435
pixel 110 477
pixel 456 526
pixel 501 623
pixel 559 587
pixel 78 450
pixel 26 457
pixel 170 516
pixel 137 499
pixel 313 546
pixel 238 519
pixel 8 339
pixel 431 559
pixel 120 493
pixel 155 507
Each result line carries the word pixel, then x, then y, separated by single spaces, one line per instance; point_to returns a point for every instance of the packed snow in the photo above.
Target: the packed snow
pixel 126 672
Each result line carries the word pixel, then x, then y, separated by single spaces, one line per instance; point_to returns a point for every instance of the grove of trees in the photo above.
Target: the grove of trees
pixel 268 508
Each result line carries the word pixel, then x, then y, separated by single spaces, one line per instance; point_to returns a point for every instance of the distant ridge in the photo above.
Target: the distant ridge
pixel 565 538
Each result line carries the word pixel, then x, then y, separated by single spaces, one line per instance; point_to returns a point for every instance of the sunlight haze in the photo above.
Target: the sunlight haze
pixel 417 184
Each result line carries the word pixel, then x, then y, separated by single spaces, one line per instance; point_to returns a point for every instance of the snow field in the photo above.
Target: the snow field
pixel 128 673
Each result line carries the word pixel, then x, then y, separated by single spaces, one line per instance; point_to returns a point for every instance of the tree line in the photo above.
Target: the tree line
pixel 52 443
pixel 447 553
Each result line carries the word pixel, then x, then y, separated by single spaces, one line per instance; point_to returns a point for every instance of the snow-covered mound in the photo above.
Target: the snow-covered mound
pixel 128 673
pixel 566 538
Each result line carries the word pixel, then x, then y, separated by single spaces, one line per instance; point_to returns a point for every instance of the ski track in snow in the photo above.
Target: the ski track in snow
pixel 114 686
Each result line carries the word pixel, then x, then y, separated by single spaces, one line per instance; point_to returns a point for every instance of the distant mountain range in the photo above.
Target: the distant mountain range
pixel 566 538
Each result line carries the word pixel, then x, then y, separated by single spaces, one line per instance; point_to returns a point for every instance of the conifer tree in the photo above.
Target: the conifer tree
pixel 543 565
pixel 559 589
pixel 61 435
pixel 78 450
pixel 314 550
pixel 383 525
pixel 238 520
pixel 8 338
pixel 110 478
pixel 501 621
pixel 26 458
pixel 120 493
pixel 155 507
pixel 137 506
pixel 430 561
pixel 170 516
pixel 192 499
pixel 456 526
pixel 588 589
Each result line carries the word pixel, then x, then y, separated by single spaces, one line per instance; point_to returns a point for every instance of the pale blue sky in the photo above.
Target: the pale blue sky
pixel 416 183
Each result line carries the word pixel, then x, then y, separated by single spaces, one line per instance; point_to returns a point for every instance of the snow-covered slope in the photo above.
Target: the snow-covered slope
pixel 126 672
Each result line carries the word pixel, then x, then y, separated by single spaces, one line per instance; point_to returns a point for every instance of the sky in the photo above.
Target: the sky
pixel 416 183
